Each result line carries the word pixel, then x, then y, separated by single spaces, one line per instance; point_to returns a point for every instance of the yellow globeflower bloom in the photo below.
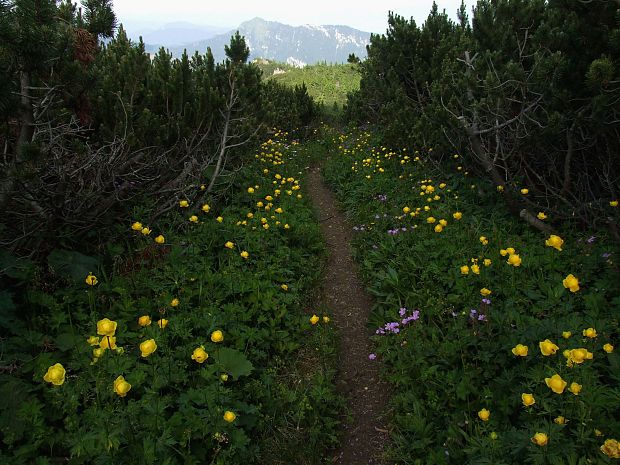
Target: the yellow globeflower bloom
pixel 326 319
pixel 611 447
pixel 556 383
pixel 229 416
pixel 485 292
pixel 566 334
pixel 547 347
pixel 438 228
pixel 106 327
pixel 91 279
pixel 483 240
pixel 175 302
pixel 590 332
pixel 137 226
pixel 487 262
pixel 555 242
pixel 457 215
pixel 146 231
pixel 183 203
pixel 520 350
pixel 217 336
pixel 575 388
pixel 219 219
pixel 484 414
pixel 613 203
pixel 160 239
pixel 578 355
pixel 108 342
pixel 514 260
pixel 475 269
pixel 193 219
pixel 541 216
pixel 406 210
pixel 314 319
pixel 464 269
pixel 200 355
pixel 284 287
pixel 148 347
pixel 244 254
pixel 571 283
pixel 55 374
pixel 525 191
pixel 540 439
pixel 528 399
pixel 444 223
pixel 121 387
pixel 229 245
pixel 162 323
pixel 206 208
pixel 430 220
pixel 144 320
pixel 608 348
pixel 560 420
pixel 93 341
pixel 250 190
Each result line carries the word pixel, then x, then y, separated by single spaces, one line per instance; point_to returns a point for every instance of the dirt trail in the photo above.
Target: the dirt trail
pixel 345 297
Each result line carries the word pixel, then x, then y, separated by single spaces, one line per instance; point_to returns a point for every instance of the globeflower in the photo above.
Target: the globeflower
pixel 144 320
pixel 438 228
pixel 520 350
pixel 406 210
pixel 108 342
pixel 174 302
pixel 148 347
pixel 541 216
pixel 483 240
pixel 219 219
pixel 146 231
pixel 244 254
pixel 206 208
pixel 525 191
pixel 566 334
pixel 484 414
pixel 560 420
pixel 556 383
pixel 540 439
pixel 475 269
pixel 608 348
pixel 160 239
pixel 464 269
pixel 183 204
pixel 485 292
pixel 430 220
pixel 314 319
pixel 284 287
pixel 571 283
pixel 528 399
pixel 200 355
pixel 575 388
pixel 162 323
pixel 457 215
pixel 547 347
pixel 93 341
pixel 137 226
pixel 555 242
pixel 229 245
pixel 611 447
pixel 579 355
pixel 121 387
pixel 613 203
pixel 55 375
pixel 590 332
pixel 229 416
pixel 106 327
pixel 487 262
pixel 91 279
pixel 217 336
pixel 193 219
pixel 514 260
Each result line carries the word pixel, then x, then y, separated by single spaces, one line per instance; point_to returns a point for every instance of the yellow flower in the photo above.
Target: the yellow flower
pixel 511 251
pixel 438 228
pixel 279 210
pixel 444 223
pixel 229 416
pixel 503 252
pixel 525 191
pixel 555 242
pixel 560 420
pixel 144 320
pixel 200 355
pixel 219 219
pixel 325 319
pixel 556 383
pixel 250 190
pixel 406 210
pixel 160 239
pixel 608 348
pixel 229 245
pixel 485 292
pixel 284 287
pixel 108 342
pixel 571 282
pixel 217 336
pixel 575 388
pixel 206 208
pixel 314 319
pixel 193 219
pixel 148 347
pixel 202 187
pixel 224 377
pixel 430 220
pixel 487 262
pixel 98 352
pixel 579 355
pixel 566 334
pixel 520 350
pixel 475 269
pixel 442 185
pixel 146 231
pixel 590 332
pixel 162 323
pixel 106 327
pixel 500 188
pixel 286 226
pixel 137 226
pixel 484 414
pixel 91 279
pixel 174 302
pixel 613 203
pixel 121 387
pixel 93 340
pixel 540 439
pixel 55 374
pixel 547 347
pixel 183 204
pixel 464 269
pixel 611 447
pixel 483 240
pixel 514 260
pixel 244 254
pixel 541 216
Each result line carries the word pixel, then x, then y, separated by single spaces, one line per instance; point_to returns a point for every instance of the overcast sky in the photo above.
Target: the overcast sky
pixel 367 16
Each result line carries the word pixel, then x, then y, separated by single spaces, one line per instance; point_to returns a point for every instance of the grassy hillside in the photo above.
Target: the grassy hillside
pixel 328 84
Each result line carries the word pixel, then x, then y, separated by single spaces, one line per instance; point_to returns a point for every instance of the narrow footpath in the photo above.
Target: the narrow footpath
pixel 358 377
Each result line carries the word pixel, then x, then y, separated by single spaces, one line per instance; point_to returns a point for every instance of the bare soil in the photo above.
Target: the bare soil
pixel 358 377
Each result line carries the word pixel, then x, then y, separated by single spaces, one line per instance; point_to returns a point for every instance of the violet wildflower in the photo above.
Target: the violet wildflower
pixel 482 317
pixel 486 301
pixel 372 356
pixel 402 311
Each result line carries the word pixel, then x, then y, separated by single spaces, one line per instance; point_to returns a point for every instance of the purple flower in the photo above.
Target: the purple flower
pixel 482 317
pixel 402 311
pixel 415 315
pixel 606 255
pixel 486 301
pixel 591 239
pixel 372 356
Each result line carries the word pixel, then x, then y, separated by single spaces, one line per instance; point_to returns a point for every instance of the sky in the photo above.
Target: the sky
pixel 366 16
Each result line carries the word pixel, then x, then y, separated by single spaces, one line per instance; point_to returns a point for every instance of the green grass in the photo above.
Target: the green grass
pixel 328 84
